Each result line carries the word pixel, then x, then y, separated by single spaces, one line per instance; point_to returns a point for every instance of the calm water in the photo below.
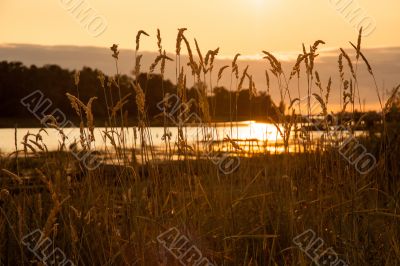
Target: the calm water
pixel 249 135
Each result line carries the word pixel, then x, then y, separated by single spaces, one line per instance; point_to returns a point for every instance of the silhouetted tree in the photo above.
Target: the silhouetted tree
pixel 17 81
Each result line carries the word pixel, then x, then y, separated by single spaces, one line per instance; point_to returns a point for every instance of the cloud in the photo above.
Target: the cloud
pixel 385 62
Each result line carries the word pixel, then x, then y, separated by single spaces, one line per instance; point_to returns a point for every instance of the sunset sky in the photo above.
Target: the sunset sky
pixel 245 26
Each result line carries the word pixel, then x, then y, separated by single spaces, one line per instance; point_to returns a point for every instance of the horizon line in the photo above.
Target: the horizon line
pixel 286 56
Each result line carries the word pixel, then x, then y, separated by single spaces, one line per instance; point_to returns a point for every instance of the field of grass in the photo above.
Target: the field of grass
pixel 114 214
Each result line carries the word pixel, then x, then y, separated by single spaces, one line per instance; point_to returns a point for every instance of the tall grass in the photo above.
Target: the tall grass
pixel 113 215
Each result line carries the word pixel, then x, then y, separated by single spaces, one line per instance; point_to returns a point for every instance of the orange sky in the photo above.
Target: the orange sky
pixel 245 26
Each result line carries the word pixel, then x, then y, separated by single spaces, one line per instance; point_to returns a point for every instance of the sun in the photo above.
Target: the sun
pixel 259 3
pixel 261 6
pixel 262 3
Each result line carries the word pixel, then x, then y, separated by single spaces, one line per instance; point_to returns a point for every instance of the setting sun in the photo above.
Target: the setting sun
pixel 258 3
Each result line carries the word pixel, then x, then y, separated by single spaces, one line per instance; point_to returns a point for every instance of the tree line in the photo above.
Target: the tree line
pixel 18 81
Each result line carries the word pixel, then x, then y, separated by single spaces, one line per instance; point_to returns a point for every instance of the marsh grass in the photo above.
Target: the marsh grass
pixel 112 215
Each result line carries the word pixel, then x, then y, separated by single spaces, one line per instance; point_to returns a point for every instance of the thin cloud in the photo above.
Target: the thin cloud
pixel 384 60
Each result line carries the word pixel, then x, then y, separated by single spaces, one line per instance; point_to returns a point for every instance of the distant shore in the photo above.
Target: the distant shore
pixel 34 123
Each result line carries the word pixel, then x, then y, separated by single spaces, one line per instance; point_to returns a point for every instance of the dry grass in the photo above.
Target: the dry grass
pixel 113 215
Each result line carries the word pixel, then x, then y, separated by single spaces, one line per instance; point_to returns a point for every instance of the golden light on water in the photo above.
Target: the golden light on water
pixel 263 131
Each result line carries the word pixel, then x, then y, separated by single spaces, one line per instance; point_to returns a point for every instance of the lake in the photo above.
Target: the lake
pixel 250 136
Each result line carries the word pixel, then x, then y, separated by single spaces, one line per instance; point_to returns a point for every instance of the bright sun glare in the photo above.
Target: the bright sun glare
pixel 262 3
pixel 260 7
pixel 259 3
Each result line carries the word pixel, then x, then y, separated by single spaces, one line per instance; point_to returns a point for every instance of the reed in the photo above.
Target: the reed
pixel 112 215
